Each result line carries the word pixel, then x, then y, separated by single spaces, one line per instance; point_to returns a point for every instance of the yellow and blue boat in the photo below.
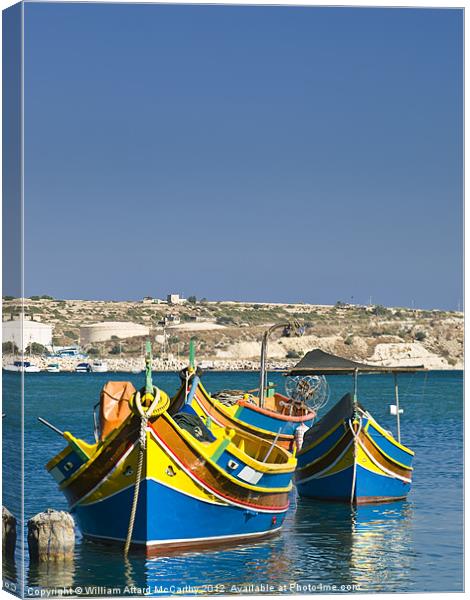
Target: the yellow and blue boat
pixel 159 477
pixel 347 456
pixel 269 415
pixel 276 421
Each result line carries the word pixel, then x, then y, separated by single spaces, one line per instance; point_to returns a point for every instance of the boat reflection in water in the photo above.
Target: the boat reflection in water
pixel 365 546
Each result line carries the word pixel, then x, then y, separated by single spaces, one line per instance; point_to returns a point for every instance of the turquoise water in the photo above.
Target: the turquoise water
pixel 412 546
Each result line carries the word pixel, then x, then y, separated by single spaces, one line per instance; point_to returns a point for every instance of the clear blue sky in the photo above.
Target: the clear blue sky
pixel 258 153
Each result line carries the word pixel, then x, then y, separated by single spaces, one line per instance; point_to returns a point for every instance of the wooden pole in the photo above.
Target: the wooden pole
pixel 397 402
pixel 148 368
pixel 192 354
pixel 262 379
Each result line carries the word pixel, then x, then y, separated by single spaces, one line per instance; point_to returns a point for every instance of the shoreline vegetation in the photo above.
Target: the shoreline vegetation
pixel 228 334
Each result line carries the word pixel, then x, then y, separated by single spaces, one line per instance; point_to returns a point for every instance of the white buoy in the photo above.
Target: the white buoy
pixel 299 435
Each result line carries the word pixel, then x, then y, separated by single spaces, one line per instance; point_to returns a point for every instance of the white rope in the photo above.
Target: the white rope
pixel 144 417
pixel 355 436
pixel 140 463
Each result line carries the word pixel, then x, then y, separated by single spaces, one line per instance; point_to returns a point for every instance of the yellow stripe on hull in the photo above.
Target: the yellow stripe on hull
pixel 373 423
pixel 390 458
pixel 159 466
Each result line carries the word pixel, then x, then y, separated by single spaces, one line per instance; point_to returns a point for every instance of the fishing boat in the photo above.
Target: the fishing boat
pixel 276 420
pixel 269 414
pixel 24 366
pixel 158 477
pixel 346 455
pixel 99 366
pixel 83 367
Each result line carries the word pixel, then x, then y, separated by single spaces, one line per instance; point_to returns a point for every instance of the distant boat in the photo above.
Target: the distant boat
pixel 22 365
pixel 99 366
pixel 68 352
pixel 83 368
pixel 53 368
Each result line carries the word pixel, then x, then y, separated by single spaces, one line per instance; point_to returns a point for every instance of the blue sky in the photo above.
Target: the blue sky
pixel 252 153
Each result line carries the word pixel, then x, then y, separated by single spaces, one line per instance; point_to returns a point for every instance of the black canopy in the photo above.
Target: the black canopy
pixel 317 362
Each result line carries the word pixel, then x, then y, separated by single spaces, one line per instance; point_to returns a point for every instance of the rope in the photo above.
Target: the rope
pixel 130 529
pixel 356 436
pixel 154 410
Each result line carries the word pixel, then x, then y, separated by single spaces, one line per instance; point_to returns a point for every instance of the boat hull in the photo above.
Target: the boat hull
pixel 353 460
pixel 15 369
pixel 167 518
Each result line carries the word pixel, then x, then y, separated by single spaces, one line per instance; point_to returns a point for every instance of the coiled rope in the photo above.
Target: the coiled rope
pixel 155 409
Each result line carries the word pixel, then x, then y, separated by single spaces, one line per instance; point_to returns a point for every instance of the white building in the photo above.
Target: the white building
pixel 150 300
pixel 33 332
pixel 175 299
pixel 105 331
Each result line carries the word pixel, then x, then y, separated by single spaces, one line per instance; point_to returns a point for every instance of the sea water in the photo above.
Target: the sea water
pixel 411 546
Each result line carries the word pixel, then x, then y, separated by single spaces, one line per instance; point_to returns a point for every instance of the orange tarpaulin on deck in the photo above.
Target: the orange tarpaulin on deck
pixel 114 405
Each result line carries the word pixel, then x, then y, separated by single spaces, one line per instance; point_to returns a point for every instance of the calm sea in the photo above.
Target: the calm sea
pixel 411 546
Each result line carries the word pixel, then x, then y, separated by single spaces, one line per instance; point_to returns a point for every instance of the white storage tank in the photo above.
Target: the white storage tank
pixel 103 332
pixel 33 331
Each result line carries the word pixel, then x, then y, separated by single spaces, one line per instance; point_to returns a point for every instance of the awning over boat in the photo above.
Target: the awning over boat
pixel 317 362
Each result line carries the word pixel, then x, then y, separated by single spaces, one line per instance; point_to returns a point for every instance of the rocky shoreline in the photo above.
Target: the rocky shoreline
pixel 385 357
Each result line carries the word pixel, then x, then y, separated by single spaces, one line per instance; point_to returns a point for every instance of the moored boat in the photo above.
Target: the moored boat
pixel 53 368
pixel 24 366
pixel 277 420
pixel 269 415
pixel 158 477
pixel 99 366
pixel 347 456
pixel 83 367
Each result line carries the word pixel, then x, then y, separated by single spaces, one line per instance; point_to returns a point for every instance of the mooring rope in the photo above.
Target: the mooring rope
pixel 142 444
pixel 355 436
pixel 154 410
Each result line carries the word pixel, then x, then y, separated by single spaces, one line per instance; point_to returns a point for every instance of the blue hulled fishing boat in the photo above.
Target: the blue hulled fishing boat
pixel 347 456
pixel 157 476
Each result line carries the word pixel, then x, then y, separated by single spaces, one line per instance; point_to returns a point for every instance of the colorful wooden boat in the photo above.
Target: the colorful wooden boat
pixel 195 485
pixel 270 416
pixel 275 422
pixel 347 456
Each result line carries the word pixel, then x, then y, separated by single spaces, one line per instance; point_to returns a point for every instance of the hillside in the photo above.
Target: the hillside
pixel 228 334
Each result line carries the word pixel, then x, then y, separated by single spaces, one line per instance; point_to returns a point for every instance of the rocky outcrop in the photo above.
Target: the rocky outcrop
pixel 407 355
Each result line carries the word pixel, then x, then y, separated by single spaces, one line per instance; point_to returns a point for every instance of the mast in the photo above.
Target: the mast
pixel 397 402
pixel 148 368
pixel 293 326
